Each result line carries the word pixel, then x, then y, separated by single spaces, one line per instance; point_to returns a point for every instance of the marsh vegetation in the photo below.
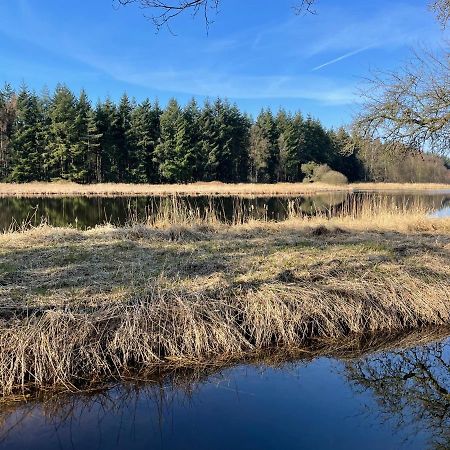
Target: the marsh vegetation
pixel 186 289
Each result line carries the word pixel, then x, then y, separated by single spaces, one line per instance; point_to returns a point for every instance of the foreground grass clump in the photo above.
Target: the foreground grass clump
pixel 82 306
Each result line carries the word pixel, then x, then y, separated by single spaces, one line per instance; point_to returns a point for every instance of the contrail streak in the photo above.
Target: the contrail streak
pixel 340 58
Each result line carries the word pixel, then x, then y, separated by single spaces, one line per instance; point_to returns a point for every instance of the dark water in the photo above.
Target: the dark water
pixel 85 212
pixel 387 400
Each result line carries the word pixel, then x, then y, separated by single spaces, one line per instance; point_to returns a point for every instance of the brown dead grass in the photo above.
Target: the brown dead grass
pixel 212 188
pixel 82 306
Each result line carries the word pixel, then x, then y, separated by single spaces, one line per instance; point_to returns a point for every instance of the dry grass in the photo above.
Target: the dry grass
pixel 82 306
pixel 181 384
pixel 213 188
pixel 185 380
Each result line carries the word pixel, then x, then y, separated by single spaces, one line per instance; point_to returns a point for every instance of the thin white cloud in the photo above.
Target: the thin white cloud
pixel 340 58
pixel 399 25
pixel 238 86
pixel 268 69
pixel 204 79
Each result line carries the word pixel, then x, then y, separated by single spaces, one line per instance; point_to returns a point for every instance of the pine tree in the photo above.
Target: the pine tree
pixel 265 153
pixel 317 143
pixel 124 138
pixel 91 142
pixel 267 122
pixel 107 122
pixel 228 144
pixel 63 151
pixel 8 104
pixel 179 147
pixel 43 133
pixel 209 143
pixel 165 154
pixel 259 155
pixel 235 163
pixel 144 138
pixel 342 155
pixel 224 165
pixel 188 143
pixel 81 172
pixel 27 153
pixel 290 142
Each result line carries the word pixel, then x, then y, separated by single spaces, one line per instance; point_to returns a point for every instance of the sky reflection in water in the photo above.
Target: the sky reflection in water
pixel 388 400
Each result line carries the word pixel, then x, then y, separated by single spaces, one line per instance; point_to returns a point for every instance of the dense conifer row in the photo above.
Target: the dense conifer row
pixel 63 136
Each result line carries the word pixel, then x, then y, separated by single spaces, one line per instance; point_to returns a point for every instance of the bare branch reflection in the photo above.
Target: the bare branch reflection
pixel 412 386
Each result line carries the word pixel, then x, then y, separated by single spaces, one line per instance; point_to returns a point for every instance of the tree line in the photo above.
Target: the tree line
pixel 63 136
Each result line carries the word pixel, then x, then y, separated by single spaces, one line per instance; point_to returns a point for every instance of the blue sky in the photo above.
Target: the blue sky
pixel 257 52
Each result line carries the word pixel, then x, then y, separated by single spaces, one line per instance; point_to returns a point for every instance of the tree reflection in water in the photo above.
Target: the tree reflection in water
pixel 85 212
pixel 412 386
pixel 408 376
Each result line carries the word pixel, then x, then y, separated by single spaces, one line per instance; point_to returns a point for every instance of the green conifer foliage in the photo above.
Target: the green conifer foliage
pixel 27 152
pixel 61 136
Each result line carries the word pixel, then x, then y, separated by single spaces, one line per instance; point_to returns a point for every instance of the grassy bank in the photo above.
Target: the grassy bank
pixel 213 188
pixel 82 306
pixel 61 405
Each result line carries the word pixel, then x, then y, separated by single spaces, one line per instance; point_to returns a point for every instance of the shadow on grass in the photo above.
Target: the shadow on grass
pixel 114 264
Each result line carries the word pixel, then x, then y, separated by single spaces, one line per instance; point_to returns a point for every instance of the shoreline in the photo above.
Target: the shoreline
pixel 62 189
pixel 184 378
pixel 116 301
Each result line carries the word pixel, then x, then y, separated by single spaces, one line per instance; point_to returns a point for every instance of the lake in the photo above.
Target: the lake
pixel 87 212
pixel 389 399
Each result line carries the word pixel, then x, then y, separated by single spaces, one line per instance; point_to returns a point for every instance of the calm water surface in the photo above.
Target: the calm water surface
pixel 85 212
pixel 387 400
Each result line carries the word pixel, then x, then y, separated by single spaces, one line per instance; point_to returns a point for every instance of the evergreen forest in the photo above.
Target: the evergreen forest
pixel 63 136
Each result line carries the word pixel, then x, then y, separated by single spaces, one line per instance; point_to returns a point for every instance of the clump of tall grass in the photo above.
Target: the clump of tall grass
pixel 362 206
pixel 356 211
pixel 176 211
pixel 171 327
pixel 30 221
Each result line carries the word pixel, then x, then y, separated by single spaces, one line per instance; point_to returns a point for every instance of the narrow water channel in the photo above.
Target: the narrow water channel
pixel 388 399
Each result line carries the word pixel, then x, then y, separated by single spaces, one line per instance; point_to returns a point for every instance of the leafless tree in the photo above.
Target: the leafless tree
pixel 410 106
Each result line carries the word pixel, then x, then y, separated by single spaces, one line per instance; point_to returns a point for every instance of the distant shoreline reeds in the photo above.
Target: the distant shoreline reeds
pixel 212 188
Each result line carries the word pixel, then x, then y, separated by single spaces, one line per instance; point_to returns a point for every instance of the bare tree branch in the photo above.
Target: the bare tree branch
pixel 442 10
pixel 410 106
pixel 166 10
